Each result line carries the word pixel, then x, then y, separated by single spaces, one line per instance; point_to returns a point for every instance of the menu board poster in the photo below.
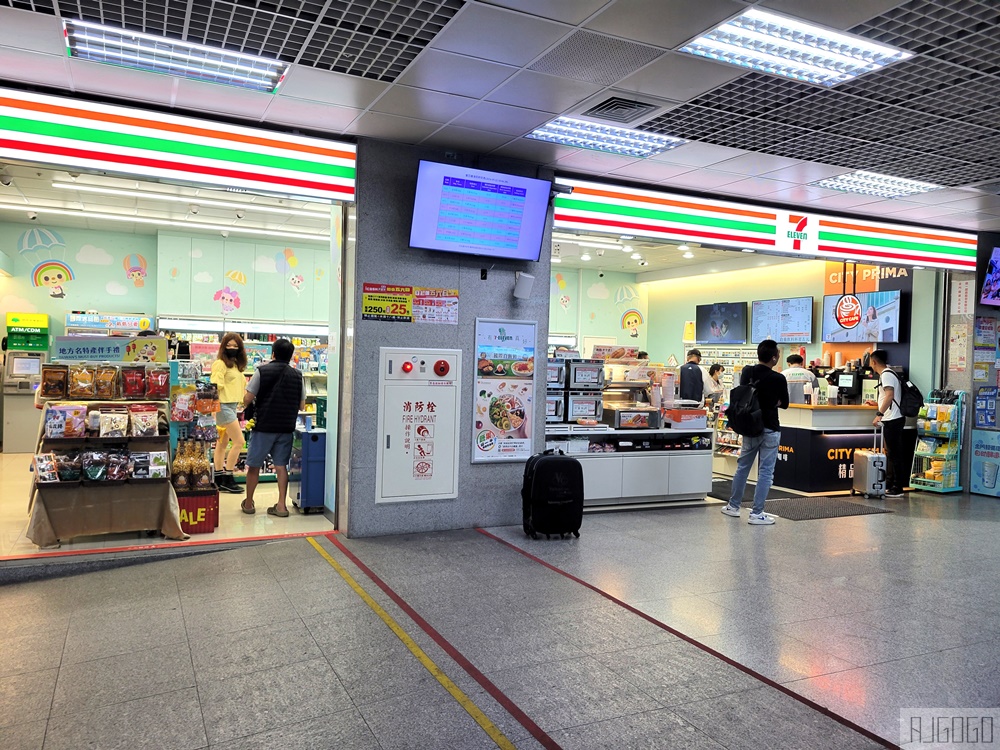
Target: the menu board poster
pixel 504 390
pixel 613 351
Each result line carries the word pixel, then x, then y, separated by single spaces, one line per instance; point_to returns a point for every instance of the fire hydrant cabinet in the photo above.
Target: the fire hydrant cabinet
pixel 418 424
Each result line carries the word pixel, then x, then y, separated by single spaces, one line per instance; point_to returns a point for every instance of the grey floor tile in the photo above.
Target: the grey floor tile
pixel 434 721
pixel 218 657
pixel 116 679
pixel 204 617
pixel 311 595
pixel 572 692
pixel 94 635
pixel 348 628
pixel 31 651
pixel 26 697
pixel 170 721
pixel 512 640
pixel 28 736
pixel 253 703
pixel 242 558
pixel 256 581
pixel 677 672
pixel 380 670
pixel 346 729
pixel 652 730
pixel 694 616
pixel 606 628
pixel 765 719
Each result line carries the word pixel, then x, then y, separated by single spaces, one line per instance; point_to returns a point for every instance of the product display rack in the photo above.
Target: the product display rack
pixel 733 358
pixel 727 442
pixel 937 458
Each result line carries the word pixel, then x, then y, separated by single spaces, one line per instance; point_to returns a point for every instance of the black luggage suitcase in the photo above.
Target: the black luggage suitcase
pixel 552 495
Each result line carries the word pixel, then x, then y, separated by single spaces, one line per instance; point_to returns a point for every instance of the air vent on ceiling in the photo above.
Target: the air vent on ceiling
pixel 617 109
pixel 586 56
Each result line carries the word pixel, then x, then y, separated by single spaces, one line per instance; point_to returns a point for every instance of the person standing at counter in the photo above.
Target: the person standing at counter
pixel 772 394
pixel 797 377
pixel 692 381
pixel 891 419
pixel 713 388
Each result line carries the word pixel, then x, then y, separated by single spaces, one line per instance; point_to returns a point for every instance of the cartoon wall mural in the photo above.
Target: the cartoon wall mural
pixel 228 298
pixel 297 281
pixel 52 274
pixel 237 276
pixel 631 321
pixel 39 244
pixel 135 269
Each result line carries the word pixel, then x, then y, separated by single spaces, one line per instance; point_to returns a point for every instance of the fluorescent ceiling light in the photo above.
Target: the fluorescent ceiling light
pixel 556 260
pixel 156 54
pixel 748 250
pixel 636 256
pixel 872 183
pixel 183 324
pixel 290 329
pixel 688 255
pixel 154 196
pixel 792 48
pixel 585 256
pixel 195 226
pixel 683 247
pixel 583 134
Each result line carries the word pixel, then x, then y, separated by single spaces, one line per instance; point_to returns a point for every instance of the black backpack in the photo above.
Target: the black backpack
pixel 910 400
pixel 744 413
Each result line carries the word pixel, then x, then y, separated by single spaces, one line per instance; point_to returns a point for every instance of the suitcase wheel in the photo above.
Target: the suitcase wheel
pixel 866 496
pixel 576 534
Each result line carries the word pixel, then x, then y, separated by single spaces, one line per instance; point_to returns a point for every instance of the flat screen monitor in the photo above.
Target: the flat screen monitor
pixel 787 321
pixel 874 318
pixel 25 366
pixel 846 380
pixel 990 293
pixel 721 323
pixel 478 212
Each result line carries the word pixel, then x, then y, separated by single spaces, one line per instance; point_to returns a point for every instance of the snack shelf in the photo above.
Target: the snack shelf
pixel 933 470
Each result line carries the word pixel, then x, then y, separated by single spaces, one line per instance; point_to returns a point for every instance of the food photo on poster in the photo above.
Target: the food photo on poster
pixel 505 370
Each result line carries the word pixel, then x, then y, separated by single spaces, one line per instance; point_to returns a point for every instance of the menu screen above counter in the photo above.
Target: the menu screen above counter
pixel 787 321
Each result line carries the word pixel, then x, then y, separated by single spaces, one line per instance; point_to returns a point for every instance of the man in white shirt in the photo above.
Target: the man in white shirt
pixel 797 377
pixel 891 418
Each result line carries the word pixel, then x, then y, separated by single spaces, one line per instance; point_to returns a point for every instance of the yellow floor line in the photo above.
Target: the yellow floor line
pixel 456 692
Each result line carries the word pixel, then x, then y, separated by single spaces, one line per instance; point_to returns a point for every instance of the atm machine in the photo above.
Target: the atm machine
pixel 27 350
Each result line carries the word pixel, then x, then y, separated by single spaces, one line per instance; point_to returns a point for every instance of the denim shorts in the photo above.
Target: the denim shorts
pixel 276 444
pixel 226 415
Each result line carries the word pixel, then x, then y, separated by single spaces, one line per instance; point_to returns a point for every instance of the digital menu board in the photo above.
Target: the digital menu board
pixel 787 321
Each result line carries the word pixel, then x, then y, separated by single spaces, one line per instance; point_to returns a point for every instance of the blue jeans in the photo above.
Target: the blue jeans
pixel 766 447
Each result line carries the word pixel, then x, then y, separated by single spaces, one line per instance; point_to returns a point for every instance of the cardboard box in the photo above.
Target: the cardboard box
pixel 686 419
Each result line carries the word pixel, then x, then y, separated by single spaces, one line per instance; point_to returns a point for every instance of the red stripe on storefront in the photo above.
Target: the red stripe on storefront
pixel 917 259
pixel 673 202
pixel 666 230
pixel 864 228
pixel 459 658
pixel 180 168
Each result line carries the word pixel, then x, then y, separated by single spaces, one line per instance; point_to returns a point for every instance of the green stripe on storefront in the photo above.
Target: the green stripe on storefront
pixel 172 148
pixel 667 216
pixel 920 247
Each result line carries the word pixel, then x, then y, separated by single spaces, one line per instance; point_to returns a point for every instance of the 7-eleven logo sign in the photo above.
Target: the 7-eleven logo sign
pixel 798 234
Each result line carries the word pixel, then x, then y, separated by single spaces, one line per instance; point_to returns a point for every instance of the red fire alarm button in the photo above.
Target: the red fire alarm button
pixel 441 368
pixel 407 367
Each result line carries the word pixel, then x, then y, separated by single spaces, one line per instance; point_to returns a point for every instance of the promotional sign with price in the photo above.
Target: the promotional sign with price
pixel 387 302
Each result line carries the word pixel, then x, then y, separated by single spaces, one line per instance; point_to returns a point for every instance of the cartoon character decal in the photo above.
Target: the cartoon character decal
pixel 297 281
pixel 631 321
pixel 228 298
pixel 53 274
pixel 564 302
pixel 135 269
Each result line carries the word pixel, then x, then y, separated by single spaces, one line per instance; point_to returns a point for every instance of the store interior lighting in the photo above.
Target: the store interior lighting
pixel 585 256
pixel 795 49
pixel 688 255
pixel 569 131
pixel 132 49
pixel 873 183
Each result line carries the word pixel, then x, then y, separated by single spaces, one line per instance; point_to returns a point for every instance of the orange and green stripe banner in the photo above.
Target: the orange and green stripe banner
pixel 66 133
pixel 647 213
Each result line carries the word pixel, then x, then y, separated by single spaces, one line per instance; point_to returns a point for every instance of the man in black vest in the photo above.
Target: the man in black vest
pixel 278 392
pixel 692 387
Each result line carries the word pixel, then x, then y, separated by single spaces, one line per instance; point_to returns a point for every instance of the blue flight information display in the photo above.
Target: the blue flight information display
pixel 481 213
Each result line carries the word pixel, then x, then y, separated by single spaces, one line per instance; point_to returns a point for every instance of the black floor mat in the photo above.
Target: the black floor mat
pixel 810 508
pixel 723 488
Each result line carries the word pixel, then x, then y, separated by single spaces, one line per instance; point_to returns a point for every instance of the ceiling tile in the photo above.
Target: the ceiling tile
pixel 539 152
pixel 466 139
pixel 981 202
pixel 698 154
pixel 756 164
pixel 37 32
pixel 499 35
pixel 756 186
pixel 455 74
pixel 543 92
pixel 288 110
pixel 945 195
pixel 801 194
pixel 806 172
pixel 665 23
pixel 650 171
pixel 121 82
pixel 843 201
pixel 595 162
pixel 501 118
pixel 392 128
pixel 199 95
pixel 679 77
pixel 333 88
pixel 33 67
pixel 923 213
pixel 842 14
pixel 423 104
pixel 704 179
pixel 567 11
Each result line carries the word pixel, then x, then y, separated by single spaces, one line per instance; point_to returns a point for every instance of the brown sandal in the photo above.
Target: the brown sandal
pixel 249 511
pixel 273 511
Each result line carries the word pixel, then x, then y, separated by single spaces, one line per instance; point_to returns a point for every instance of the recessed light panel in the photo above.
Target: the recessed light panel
pixel 569 131
pixel 133 49
pixel 872 183
pixel 793 49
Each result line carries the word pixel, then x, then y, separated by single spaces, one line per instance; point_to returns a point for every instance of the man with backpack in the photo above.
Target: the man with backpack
pixel 766 391
pixel 891 418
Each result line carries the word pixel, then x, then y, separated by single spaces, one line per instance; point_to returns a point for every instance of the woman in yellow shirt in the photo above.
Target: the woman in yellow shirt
pixel 227 373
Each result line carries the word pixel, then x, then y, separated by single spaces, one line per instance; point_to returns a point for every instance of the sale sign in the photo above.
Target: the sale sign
pixel 409 304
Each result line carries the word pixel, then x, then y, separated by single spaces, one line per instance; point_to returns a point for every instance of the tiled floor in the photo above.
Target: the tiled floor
pixel 267 646
pixel 233 524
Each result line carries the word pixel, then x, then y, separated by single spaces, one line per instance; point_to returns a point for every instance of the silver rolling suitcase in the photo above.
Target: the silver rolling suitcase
pixel 869 471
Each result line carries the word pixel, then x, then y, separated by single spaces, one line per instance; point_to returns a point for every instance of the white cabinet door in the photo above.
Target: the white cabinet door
pixel 645 475
pixel 690 474
pixel 602 477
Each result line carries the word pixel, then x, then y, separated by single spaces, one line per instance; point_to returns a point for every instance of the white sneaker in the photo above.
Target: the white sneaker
pixel 761 519
pixel 731 511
